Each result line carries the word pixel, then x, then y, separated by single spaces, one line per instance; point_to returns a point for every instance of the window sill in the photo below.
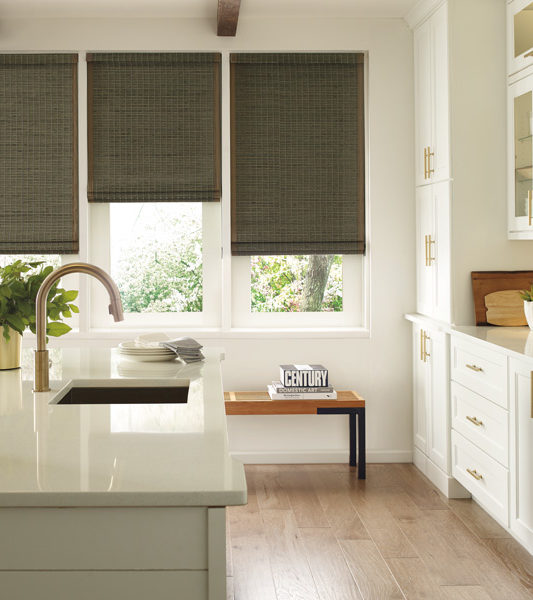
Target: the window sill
pixel 75 337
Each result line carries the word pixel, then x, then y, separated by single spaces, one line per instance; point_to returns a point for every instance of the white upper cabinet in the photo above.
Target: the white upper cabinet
pixel 519 35
pixel 520 153
pixel 433 250
pixel 432 138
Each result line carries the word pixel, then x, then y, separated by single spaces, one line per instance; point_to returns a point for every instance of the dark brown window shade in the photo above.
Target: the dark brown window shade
pixel 298 154
pixel 154 127
pixel 38 154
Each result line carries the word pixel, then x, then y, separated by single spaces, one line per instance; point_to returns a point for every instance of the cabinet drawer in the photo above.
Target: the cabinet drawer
pixel 480 369
pixel 481 422
pixel 482 476
pixel 96 539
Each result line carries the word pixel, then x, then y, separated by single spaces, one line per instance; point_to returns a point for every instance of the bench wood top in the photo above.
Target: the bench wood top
pixel 260 403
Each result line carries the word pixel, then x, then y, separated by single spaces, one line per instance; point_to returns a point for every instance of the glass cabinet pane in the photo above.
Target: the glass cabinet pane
pixel 523 30
pixel 523 141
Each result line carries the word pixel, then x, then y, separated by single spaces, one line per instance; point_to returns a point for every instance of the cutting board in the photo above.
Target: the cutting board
pixel 505 308
pixel 485 283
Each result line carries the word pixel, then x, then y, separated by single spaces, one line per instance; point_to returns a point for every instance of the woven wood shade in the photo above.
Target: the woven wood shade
pixel 154 127
pixel 38 154
pixel 298 154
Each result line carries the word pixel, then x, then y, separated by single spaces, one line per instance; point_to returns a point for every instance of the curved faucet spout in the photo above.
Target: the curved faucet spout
pixel 41 354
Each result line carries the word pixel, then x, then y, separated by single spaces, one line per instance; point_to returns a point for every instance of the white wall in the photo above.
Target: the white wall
pixel 479 135
pixel 378 367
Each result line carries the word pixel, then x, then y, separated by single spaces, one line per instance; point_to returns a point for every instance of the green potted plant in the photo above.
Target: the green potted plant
pixel 527 297
pixel 19 284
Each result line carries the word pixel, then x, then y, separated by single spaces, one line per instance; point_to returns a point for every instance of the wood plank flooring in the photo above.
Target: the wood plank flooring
pixel 316 532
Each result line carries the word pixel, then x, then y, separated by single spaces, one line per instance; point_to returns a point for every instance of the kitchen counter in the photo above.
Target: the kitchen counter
pixel 116 455
pixel 517 341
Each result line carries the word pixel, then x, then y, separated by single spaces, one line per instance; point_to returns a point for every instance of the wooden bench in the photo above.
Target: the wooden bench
pixel 347 403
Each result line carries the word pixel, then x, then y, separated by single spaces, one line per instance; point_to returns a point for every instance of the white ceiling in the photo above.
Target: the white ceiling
pixel 203 8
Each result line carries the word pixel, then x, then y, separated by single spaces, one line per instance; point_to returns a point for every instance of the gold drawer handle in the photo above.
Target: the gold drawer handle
pixel 475 474
pixel 475 421
pixel 429 155
pixel 475 368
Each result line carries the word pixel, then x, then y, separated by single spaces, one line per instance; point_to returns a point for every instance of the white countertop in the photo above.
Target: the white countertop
pixel 116 455
pixel 517 341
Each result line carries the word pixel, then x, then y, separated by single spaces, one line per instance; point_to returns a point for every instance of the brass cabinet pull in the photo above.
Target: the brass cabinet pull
pixel 426 353
pixel 529 203
pixel 474 368
pixel 427 243
pixel 430 257
pixel 475 474
pixel 475 421
pixel 429 155
pixel 426 163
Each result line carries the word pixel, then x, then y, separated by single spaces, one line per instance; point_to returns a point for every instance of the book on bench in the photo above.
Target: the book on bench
pixel 301 376
pixel 309 394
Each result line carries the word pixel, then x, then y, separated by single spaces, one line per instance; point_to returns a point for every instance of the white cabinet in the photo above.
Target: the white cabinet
pixel 430 404
pixel 433 250
pixel 432 143
pixel 519 35
pixel 520 153
pixel 521 373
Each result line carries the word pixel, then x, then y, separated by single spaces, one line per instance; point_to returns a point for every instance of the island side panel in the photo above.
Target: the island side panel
pixel 216 553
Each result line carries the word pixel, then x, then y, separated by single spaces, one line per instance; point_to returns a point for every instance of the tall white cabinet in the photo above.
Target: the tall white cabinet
pixel 457 174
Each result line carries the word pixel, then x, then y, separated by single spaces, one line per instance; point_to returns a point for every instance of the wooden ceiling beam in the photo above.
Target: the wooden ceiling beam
pixel 227 17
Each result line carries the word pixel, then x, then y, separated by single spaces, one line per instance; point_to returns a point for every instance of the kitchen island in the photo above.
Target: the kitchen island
pixel 115 500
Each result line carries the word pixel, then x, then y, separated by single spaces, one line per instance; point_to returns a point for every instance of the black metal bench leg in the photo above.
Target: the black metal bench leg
pixel 361 468
pixel 353 438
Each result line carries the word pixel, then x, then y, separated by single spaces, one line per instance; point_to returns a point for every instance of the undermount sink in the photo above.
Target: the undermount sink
pixel 119 392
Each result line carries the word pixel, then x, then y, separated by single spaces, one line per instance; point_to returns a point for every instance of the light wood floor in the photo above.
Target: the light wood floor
pixel 315 532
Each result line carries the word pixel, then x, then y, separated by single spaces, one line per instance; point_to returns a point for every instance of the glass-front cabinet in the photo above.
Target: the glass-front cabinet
pixel 521 159
pixel 520 35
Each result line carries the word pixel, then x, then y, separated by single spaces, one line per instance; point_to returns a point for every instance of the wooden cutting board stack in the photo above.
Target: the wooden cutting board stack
pixel 496 297
pixel 505 308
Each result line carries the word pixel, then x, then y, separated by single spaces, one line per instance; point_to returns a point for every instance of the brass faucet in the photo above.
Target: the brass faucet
pixel 42 375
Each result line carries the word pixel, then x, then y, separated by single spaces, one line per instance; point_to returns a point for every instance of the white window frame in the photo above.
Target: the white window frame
pixel 355 317
pixel 100 254
pixel 353 286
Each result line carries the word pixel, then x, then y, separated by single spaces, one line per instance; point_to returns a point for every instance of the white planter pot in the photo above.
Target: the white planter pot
pixel 528 311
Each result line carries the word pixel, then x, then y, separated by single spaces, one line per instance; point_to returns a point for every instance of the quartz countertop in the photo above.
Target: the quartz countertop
pixel 517 341
pixel 120 454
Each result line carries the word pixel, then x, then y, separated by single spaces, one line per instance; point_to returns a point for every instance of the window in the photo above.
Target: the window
pixel 296 283
pixel 298 233
pixel 156 256
pixel 165 259
pixel 39 153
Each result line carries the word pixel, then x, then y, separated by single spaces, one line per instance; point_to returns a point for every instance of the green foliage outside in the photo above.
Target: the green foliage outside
pixel 157 262
pixel 19 284
pixel 278 282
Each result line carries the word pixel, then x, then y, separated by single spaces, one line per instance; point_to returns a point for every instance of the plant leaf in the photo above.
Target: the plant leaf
pixel 56 328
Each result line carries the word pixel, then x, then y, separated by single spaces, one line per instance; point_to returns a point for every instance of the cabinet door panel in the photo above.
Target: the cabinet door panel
pixel 438 421
pixel 425 266
pixel 520 149
pixel 519 35
pixel 422 52
pixel 522 451
pixel 420 391
pixel 441 193
pixel 440 161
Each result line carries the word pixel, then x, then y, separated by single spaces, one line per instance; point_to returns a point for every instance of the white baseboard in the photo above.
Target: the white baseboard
pixel 449 486
pixel 283 457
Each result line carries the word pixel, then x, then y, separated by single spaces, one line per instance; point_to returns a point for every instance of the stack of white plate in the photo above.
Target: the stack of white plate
pixel 132 351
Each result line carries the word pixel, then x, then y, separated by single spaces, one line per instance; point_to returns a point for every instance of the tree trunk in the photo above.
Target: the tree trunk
pixel 315 282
